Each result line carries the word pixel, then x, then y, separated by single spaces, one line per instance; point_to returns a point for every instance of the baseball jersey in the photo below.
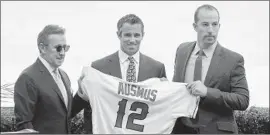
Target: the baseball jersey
pixel 121 107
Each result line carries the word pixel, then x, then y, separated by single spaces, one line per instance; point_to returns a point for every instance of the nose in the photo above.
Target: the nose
pixel 132 39
pixel 62 52
pixel 210 29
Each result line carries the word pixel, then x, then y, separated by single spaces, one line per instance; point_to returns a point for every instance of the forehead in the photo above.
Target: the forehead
pixel 127 27
pixel 207 15
pixel 56 39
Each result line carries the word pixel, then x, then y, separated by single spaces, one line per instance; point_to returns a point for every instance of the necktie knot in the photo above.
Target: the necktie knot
pixel 131 59
pixel 200 53
pixel 55 72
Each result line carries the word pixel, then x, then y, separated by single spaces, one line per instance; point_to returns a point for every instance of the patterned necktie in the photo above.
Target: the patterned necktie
pixel 61 86
pixel 131 71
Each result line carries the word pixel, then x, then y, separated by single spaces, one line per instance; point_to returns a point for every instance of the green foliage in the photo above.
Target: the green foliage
pixel 255 120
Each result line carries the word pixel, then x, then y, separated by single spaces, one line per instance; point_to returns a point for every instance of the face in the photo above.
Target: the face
pixel 49 50
pixel 130 36
pixel 207 27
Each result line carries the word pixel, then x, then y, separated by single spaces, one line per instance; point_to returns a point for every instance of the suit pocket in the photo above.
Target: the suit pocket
pixel 226 126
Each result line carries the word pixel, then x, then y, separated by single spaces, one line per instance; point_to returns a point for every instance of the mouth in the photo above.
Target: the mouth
pixel 210 36
pixel 132 44
pixel 60 58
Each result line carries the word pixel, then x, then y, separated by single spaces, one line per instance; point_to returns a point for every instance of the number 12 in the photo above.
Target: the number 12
pixel 132 116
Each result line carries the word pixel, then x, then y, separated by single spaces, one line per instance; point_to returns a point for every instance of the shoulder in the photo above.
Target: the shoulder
pixel 185 44
pixel 151 61
pixel 104 61
pixel 30 71
pixel 27 75
pixel 231 54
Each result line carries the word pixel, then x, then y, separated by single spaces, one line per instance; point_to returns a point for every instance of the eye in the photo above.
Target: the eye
pixel 137 35
pixel 215 24
pixel 205 24
pixel 127 35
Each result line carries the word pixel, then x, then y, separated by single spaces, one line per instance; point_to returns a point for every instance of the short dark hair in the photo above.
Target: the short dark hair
pixel 131 19
pixel 205 6
pixel 48 30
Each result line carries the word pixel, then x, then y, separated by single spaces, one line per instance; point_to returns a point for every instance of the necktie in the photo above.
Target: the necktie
pixel 198 66
pixel 198 76
pixel 131 71
pixel 61 86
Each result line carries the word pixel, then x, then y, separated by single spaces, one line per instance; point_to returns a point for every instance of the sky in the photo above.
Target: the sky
pixel 91 31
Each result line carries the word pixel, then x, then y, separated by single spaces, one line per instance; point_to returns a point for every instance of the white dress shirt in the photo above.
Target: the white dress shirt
pixel 124 62
pixel 206 60
pixel 57 79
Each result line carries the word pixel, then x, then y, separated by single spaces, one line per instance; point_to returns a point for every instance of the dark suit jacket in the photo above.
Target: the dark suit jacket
pixel 39 103
pixel 227 89
pixel 148 68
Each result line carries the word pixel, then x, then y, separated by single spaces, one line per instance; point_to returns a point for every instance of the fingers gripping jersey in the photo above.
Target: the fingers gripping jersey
pixel 121 107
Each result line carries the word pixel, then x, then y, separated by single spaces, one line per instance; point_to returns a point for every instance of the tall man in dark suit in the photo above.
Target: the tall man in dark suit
pixel 128 63
pixel 213 73
pixel 42 93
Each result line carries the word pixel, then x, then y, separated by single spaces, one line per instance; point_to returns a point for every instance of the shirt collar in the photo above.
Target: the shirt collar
pixel 123 56
pixel 46 64
pixel 208 52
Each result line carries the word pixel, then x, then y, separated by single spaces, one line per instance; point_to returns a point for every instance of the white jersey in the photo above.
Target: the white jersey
pixel 148 107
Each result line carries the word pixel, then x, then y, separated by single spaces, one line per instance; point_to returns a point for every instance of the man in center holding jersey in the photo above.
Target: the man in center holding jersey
pixel 128 63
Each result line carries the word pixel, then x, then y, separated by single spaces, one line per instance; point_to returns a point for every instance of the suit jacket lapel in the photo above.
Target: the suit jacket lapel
pixel 50 81
pixel 142 68
pixel 69 94
pixel 185 57
pixel 214 65
pixel 114 66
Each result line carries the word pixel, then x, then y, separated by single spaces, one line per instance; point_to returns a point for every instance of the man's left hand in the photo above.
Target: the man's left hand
pixel 197 88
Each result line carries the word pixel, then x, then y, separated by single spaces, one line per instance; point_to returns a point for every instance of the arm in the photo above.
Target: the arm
pixel 238 98
pixel 162 72
pixel 176 70
pixel 80 100
pixel 25 99
pixel 77 105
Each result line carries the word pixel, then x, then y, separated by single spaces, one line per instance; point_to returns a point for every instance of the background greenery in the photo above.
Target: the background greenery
pixel 254 120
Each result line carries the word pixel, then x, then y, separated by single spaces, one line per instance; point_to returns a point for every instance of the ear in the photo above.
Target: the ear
pixel 118 33
pixel 195 26
pixel 143 33
pixel 41 48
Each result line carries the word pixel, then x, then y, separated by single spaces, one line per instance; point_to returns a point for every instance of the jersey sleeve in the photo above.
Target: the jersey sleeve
pixel 82 87
pixel 184 104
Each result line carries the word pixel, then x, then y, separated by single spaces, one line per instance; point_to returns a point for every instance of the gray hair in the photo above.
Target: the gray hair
pixel 48 30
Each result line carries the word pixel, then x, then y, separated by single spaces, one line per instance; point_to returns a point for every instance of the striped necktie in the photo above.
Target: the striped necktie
pixel 61 86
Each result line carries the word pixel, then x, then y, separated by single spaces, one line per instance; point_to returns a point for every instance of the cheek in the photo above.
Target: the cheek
pixel 124 40
pixel 138 40
pixel 54 56
pixel 202 33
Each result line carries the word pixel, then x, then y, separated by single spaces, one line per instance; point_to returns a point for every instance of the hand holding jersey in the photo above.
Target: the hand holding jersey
pixel 121 107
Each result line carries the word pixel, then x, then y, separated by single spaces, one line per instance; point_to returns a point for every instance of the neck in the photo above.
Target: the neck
pixel 204 46
pixel 48 61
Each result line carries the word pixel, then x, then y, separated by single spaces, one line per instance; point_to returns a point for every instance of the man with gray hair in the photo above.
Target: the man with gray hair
pixel 214 74
pixel 42 93
pixel 127 63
